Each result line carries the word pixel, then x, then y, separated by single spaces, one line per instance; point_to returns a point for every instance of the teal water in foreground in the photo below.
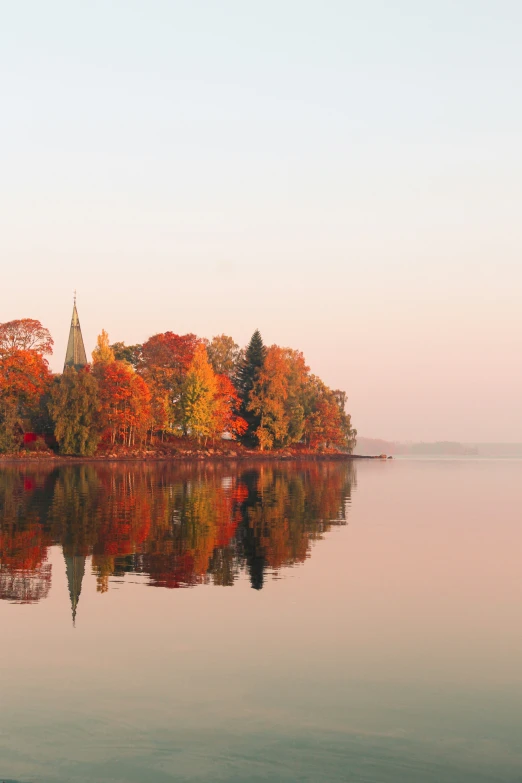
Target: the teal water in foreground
pixel 293 622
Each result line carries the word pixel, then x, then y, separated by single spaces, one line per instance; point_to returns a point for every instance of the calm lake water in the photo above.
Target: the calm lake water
pixel 294 622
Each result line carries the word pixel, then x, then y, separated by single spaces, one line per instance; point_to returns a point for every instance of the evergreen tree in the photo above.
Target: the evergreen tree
pixel 252 363
pixel 74 408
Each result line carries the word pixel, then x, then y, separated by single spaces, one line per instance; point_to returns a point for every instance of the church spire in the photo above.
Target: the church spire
pixel 75 356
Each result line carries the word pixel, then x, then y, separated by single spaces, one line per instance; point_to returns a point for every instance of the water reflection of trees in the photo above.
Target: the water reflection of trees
pixel 178 525
pixel 25 575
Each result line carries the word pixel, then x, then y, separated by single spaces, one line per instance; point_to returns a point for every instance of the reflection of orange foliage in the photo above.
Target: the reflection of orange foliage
pixel 207 516
pixel 23 550
pixel 181 525
pixel 294 508
pixel 24 574
pixel 239 493
pixel 125 518
pixel 172 571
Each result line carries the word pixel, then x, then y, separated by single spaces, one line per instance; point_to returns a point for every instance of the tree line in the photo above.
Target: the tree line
pixel 171 386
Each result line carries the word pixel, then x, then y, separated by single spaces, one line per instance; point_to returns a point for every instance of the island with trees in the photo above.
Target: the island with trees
pixel 174 395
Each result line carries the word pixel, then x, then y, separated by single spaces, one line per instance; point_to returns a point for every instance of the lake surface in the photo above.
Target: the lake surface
pixel 270 622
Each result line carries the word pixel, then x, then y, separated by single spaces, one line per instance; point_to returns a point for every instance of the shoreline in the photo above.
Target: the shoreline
pixel 57 459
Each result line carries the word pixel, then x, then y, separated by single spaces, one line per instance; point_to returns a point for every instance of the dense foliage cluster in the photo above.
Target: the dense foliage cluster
pixel 171 386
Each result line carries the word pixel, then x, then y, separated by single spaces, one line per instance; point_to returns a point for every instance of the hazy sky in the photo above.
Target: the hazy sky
pixel 345 176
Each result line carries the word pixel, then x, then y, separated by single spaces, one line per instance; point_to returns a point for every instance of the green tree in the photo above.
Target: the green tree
pixel 253 361
pixel 297 373
pixel 223 355
pixel 127 353
pixel 10 428
pixel 350 434
pixel 74 408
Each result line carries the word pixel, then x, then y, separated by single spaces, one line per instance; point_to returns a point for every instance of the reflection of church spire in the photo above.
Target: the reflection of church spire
pixel 75 356
pixel 75 569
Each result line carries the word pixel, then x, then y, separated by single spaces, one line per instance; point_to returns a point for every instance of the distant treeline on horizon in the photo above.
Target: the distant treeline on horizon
pixel 370 446
pixel 171 386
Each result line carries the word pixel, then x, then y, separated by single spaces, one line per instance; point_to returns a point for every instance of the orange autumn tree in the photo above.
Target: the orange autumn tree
pixel 268 399
pixel 327 423
pixel 293 406
pixel 25 334
pixel 164 363
pixel 227 403
pixel 24 380
pixel 159 409
pixel 125 403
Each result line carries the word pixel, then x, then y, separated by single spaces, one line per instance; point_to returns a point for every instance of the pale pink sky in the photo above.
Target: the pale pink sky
pixel 349 182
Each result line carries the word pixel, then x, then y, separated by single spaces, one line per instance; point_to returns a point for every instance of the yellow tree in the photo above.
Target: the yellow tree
pixel 103 351
pixel 198 396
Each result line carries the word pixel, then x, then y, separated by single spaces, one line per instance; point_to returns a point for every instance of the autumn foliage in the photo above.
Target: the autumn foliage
pixel 25 334
pixel 125 402
pixel 24 381
pixel 171 386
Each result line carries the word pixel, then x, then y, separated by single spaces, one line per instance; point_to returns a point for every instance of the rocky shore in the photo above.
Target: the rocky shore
pixel 180 453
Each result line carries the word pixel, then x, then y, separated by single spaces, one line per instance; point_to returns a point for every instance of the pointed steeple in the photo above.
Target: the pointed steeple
pixel 75 569
pixel 75 356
